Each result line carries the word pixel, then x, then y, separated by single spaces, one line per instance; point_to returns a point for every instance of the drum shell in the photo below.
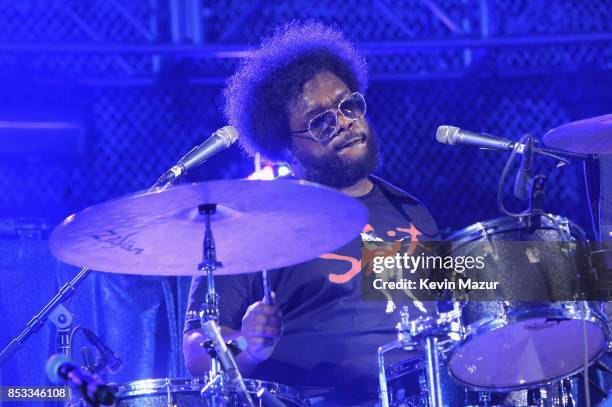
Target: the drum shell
pixel 186 392
pixel 543 265
pixel 537 258
pixel 407 387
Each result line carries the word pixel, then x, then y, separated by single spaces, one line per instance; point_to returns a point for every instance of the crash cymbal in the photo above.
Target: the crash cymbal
pixel 258 225
pixel 588 136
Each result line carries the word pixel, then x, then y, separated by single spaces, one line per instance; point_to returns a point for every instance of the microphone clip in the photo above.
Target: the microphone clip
pixel 233 346
pixel 524 177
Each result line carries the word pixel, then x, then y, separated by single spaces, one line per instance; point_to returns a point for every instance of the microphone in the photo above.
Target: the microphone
pixel 60 370
pixel 110 358
pixel 219 141
pixel 454 135
pixel 524 175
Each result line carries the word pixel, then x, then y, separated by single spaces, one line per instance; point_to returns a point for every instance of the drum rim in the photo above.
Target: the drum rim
pixel 153 386
pixel 593 316
pixel 148 387
pixel 507 223
pixel 286 391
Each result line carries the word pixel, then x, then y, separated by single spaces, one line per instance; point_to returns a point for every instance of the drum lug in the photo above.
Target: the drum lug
pixel 447 326
pixel 564 226
pixel 484 398
pixel 558 394
pixel 503 312
pixel 569 306
pixel 404 336
pixel 423 383
pixel 169 401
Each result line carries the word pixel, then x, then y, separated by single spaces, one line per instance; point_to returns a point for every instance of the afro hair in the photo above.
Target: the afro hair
pixel 256 96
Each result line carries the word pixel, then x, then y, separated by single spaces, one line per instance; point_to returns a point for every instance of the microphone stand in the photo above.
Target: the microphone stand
pixel 561 155
pixel 60 316
pixel 528 187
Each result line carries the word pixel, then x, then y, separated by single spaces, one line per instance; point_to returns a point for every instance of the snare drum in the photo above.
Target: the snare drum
pixel 509 342
pixel 186 392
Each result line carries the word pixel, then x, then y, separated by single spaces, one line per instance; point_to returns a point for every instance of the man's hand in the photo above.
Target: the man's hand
pixel 262 327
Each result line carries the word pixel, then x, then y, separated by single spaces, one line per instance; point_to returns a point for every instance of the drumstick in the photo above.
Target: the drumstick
pixel 266 287
pixel 264 273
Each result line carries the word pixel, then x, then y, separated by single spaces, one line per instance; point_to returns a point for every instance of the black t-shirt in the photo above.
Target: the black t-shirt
pixel 331 336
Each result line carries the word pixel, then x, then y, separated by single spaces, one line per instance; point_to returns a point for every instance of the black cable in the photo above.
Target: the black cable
pixel 72 335
pixel 500 186
pixel 585 344
pixel 592 214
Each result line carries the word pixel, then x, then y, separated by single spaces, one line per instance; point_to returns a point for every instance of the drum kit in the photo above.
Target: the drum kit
pixel 472 350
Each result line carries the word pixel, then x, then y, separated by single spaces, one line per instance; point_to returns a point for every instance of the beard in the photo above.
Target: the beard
pixel 338 172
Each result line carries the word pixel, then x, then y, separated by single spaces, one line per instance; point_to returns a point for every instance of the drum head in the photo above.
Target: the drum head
pixel 526 353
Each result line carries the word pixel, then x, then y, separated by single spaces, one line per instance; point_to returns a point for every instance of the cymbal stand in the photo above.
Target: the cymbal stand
pixel 425 334
pixel 56 311
pixel 209 316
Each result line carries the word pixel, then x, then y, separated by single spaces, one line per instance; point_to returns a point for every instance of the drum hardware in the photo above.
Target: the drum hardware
pixel 594 384
pixel 230 376
pixel 56 313
pixel 186 392
pixel 518 322
pixel 428 335
pixel 501 325
pixel 210 309
pixel 236 347
pixel 169 401
pixel 511 322
pixel 407 387
pixel 526 186
pixel 558 394
pixel 143 233
pixel 224 371
pixel 601 365
pixel 60 316
pixel 223 368
pixel 431 336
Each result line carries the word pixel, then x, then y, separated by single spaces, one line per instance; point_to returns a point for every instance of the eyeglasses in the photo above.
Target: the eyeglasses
pixel 324 125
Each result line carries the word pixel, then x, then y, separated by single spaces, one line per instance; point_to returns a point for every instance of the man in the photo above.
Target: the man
pixel 300 99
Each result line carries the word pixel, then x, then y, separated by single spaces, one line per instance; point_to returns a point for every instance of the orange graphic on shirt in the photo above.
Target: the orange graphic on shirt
pixel 346 277
pixel 354 264
pixel 414 234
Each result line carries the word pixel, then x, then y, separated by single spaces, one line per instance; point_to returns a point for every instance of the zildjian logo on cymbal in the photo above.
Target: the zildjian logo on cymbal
pixel 113 239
